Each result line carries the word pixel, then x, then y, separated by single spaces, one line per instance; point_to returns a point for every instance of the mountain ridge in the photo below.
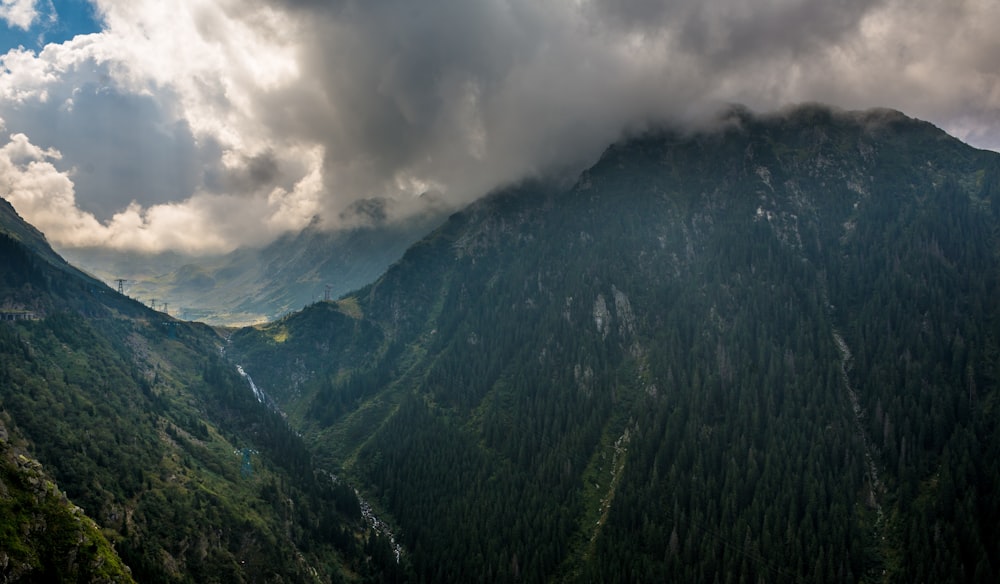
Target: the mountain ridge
pixel 689 290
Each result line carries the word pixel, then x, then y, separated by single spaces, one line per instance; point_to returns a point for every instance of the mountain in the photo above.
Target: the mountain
pixel 15 227
pixel 45 537
pixel 127 439
pixel 33 241
pixel 765 352
pixel 251 285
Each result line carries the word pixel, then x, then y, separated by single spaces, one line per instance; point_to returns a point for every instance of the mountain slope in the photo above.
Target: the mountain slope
pixel 14 227
pixel 140 421
pixel 766 352
pixel 45 537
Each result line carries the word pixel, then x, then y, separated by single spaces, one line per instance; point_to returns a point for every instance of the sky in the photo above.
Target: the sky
pixel 199 126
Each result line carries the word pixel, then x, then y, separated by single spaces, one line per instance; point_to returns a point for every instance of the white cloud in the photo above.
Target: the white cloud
pixel 155 119
pixel 44 194
pixel 19 13
pixel 202 223
pixel 216 57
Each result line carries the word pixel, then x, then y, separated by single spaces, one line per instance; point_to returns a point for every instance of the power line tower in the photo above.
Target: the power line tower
pixel 326 293
pixel 152 303
pixel 164 309
pixel 121 285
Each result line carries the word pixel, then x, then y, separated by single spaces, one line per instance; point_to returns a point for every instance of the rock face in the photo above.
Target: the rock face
pixel 44 536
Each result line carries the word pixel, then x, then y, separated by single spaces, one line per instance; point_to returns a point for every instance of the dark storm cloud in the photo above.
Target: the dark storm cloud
pixel 462 96
pixel 469 94
pixel 451 95
pixel 726 32
pixel 251 174
pixel 395 75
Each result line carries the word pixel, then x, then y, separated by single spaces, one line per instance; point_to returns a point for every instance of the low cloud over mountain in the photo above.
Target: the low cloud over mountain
pixel 204 125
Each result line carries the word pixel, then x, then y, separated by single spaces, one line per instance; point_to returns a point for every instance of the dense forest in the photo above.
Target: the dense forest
pixel 767 353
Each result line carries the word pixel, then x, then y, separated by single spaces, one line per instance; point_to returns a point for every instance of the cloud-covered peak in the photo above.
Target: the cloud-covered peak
pixel 207 124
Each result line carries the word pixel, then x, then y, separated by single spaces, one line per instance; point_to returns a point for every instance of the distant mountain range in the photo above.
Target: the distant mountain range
pixel 253 285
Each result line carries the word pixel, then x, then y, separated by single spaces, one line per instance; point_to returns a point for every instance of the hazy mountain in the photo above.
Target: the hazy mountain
pixel 764 353
pixel 179 471
pixel 252 285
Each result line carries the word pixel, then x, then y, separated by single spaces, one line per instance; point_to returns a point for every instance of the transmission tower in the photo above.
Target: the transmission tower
pixel 121 285
pixel 326 293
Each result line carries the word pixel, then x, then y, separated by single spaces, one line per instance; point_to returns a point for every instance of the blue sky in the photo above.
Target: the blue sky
pixel 56 21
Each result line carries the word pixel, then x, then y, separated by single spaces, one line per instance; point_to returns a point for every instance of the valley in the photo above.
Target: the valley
pixel 253 285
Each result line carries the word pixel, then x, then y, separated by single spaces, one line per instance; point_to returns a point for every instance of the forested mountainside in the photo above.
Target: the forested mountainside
pixel 765 353
pixel 127 439
pixel 45 537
